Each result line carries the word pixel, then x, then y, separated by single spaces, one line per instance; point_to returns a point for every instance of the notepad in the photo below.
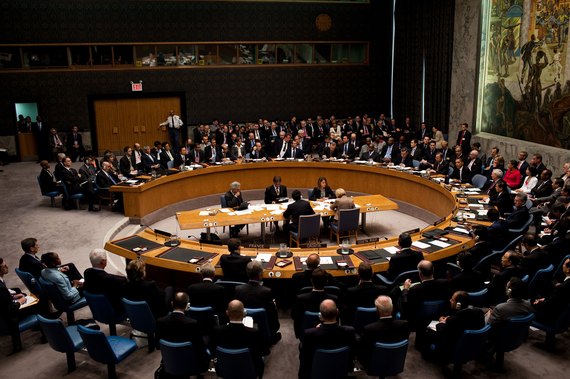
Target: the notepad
pixel 204 213
pixel 263 257
pixel 420 245
pixel 461 230
pixel 392 249
pixel 440 243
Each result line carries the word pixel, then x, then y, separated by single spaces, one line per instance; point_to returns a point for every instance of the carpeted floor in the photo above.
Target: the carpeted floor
pixel 74 233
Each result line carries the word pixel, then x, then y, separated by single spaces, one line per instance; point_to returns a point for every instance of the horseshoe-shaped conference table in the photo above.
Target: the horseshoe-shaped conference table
pixel 175 264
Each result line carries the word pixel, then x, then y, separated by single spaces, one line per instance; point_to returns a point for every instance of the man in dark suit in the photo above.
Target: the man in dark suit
pixel 310 301
pixel 207 293
pixel 9 309
pixel 467 280
pixel 48 183
pixel 549 308
pixel 98 281
pixel 104 180
pixel 510 268
pixel 149 161
pixel 298 208
pixel 535 258
pixel 212 152
pixel 522 164
pixel 450 328
pixel 404 159
pixel 543 187
pixel 482 247
pixel 520 214
pixel 464 138
pixel 41 133
pixel 389 152
pixel 254 295
pixel 29 262
pixel 234 264
pixel 166 156
pixel 196 155
pixel 461 173
pixel 328 335
pixel 406 259
pixel 127 163
pixel 386 330
pixel 440 166
pixel 302 279
pixel 363 294
pixel 182 159
pixel 75 147
pixel 75 184
pixel 294 151
pixel 498 230
pixel 274 192
pixel 177 327
pixel 347 150
pixel 235 335
pixel 473 163
pixel 536 162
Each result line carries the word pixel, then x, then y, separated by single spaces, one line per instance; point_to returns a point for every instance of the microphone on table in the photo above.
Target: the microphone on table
pixel 152 230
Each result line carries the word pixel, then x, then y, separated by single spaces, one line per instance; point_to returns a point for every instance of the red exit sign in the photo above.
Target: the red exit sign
pixel 136 87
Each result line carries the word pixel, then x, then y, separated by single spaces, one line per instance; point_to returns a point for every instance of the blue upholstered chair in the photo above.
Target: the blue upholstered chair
pixel 478 181
pixel 234 364
pixel 330 364
pixel 388 359
pixel 540 281
pixel 52 194
pixel 479 298
pixel 259 316
pixel 205 316
pixel 179 359
pixel 560 325
pixel 347 224
pixel 362 317
pixel 30 282
pixel 64 339
pixel 309 227
pixel 103 311
pixel 77 197
pixel 414 275
pixel 142 319
pixel 469 346
pixel 109 350
pixel 511 335
pixel 59 302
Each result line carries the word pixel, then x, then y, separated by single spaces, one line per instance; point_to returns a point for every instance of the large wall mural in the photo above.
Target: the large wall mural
pixel 524 83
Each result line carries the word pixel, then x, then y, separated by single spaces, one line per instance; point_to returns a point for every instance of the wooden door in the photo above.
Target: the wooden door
pixel 122 122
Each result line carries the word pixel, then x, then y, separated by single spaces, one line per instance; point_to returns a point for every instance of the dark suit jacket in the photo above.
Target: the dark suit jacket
pixel 296 209
pixel 176 327
pixel 464 140
pixel 441 168
pixel 327 336
pixel 164 158
pixel 316 194
pixel 125 166
pixel 534 261
pixel 299 154
pixel 448 333
pixel 498 234
pixel 47 181
pixel 476 167
pixel 518 217
pixel 503 202
pixel 467 280
pixel 238 336
pixel 311 302
pixel 32 265
pixel 542 188
pixel 192 156
pixel 394 155
pixel 386 330
pixel 72 180
pixel 550 309
pixel 465 174
pixel 208 294
pixel 408 161
pixel 101 282
pixel 405 260
pixel 233 201
pixel 254 295
pixel 428 290
pixel 148 161
pixel 499 282
pixel 361 295
pixel 8 311
pixel 233 266
pixel 271 194
pixel 523 168
pixel 179 160
pixel 208 154
pixel 480 250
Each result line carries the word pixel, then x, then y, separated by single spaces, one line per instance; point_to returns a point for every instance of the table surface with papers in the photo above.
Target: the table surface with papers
pixel 451 235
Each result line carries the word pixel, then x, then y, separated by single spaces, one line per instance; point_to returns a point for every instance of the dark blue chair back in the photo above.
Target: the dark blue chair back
pixel 560 325
pixel 234 364
pixel 140 315
pixel 414 275
pixel 432 310
pixel 470 344
pixel 223 202
pixel 540 281
pixel 30 282
pixel 514 332
pixel 330 364
pixel 205 316
pixel 52 194
pixel 558 273
pixel 348 220
pixel 310 320
pixel 179 358
pixel 364 316
pixel 388 359
pixel 103 311
pixel 259 316
pixel 62 339
pixel 478 181
pixel 229 287
pixel 479 298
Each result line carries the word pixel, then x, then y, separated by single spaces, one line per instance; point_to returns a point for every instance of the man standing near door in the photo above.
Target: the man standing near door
pixel 173 122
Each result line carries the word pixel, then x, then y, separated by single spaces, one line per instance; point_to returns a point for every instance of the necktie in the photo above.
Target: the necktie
pixel 277 190
pixel 111 178
pixel 196 157
pixel 172 121
pixel 293 153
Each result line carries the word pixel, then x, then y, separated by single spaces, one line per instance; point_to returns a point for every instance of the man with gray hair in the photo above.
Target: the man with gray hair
pixel 234 200
pixel 385 330
pixel 98 281
pixel 254 295
pixel 520 214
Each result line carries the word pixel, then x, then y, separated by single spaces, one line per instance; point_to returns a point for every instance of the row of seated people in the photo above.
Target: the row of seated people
pixel 92 180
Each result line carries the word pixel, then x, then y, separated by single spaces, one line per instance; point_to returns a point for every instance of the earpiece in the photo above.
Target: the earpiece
pixel 509 291
pixel 458 306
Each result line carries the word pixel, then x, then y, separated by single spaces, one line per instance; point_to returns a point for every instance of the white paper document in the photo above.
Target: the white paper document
pixel 263 257
pixel 420 245
pixel 475 205
pixel 326 261
pixel 432 325
pixel 204 213
pixel 440 243
pixel 244 212
pixel 277 211
pixel 461 230
pixel 392 249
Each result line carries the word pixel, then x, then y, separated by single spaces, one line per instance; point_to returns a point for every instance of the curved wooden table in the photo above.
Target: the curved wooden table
pixel 146 198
